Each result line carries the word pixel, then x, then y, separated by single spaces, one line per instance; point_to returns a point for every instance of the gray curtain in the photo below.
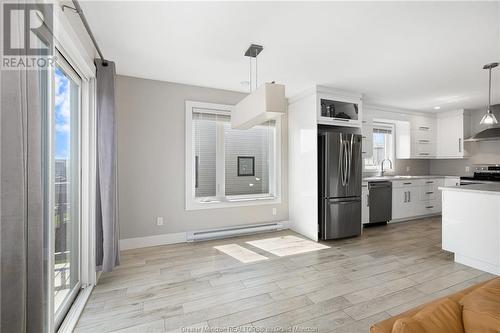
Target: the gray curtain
pixel 22 247
pixel 107 234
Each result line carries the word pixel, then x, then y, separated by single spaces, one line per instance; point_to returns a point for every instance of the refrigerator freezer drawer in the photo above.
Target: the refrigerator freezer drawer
pixel 342 218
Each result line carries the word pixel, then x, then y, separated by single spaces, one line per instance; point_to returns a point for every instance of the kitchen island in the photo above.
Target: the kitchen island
pixel 471 225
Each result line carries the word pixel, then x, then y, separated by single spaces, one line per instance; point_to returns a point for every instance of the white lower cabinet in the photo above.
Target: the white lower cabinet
pixel 405 202
pixel 416 197
pixel 400 204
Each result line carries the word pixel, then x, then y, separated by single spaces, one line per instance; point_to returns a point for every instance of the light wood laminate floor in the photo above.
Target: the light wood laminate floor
pixel 343 286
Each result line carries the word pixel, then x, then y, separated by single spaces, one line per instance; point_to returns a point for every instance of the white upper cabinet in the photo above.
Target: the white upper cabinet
pixel 336 107
pixel 429 137
pixel 453 128
pixel 423 137
pixel 403 140
pixel 416 138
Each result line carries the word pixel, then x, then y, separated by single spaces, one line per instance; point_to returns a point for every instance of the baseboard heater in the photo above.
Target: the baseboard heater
pixel 195 236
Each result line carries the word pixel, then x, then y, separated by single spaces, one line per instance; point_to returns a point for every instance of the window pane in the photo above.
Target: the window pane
pixel 249 159
pixel 66 188
pixel 382 147
pixel 204 148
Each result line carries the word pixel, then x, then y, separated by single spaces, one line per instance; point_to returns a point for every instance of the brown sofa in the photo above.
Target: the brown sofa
pixel 475 309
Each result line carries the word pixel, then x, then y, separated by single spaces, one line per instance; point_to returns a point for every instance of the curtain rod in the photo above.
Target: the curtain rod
pixel 79 11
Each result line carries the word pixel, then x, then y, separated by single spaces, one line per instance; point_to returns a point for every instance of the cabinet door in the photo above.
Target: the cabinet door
pixel 339 110
pixel 403 140
pixel 415 206
pixel 399 203
pixel 451 136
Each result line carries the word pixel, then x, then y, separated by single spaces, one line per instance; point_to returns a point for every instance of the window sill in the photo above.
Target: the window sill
pixel 232 202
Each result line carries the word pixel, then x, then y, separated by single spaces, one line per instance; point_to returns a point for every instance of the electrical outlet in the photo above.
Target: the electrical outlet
pixel 274 211
pixel 159 221
pixel 467 169
pixel 408 168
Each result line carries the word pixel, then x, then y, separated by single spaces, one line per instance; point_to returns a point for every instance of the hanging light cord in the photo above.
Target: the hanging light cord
pixel 250 58
pixel 256 73
pixel 489 93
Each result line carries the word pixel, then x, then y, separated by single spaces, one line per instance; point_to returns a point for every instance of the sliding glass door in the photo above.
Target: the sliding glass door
pixel 65 183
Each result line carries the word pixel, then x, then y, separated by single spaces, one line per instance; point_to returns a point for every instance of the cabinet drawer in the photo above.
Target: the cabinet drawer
pixel 424 128
pixel 431 207
pixel 423 136
pixel 406 183
pixel 423 124
pixel 423 150
pixel 428 194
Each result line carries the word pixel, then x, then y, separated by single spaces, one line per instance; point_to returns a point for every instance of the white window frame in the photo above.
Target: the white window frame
pixel 220 201
pixel 374 168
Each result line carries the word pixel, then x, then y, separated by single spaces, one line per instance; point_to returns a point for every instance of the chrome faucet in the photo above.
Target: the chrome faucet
pixel 382 166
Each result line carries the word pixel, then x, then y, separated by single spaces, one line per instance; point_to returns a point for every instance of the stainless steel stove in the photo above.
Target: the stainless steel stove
pixel 483 174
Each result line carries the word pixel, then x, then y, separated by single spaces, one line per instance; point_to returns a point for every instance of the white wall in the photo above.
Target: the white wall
pixel 151 170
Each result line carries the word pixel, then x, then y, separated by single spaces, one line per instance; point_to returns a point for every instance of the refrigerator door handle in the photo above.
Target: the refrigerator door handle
pixel 346 162
pixel 324 172
pixel 351 144
pixel 341 160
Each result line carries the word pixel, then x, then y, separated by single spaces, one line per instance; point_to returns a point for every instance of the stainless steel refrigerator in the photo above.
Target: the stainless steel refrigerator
pixel 339 172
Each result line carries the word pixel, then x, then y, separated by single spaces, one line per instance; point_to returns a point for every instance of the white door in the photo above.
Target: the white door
pixel 65 185
pixel 399 203
pixel 450 133
pixel 415 206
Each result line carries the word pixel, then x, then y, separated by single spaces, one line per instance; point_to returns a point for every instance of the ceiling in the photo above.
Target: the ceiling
pixel 406 55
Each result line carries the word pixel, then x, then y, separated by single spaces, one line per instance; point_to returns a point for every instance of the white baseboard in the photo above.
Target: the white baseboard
pixel 412 218
pixel 164 239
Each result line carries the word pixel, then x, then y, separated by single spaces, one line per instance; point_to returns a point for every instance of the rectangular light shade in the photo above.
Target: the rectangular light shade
pixel 266 103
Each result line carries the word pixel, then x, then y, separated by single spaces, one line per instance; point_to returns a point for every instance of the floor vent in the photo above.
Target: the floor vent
pixel 194 236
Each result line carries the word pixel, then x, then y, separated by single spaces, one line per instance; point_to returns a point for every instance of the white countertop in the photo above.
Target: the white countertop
pixel 490 188
pixel 391 178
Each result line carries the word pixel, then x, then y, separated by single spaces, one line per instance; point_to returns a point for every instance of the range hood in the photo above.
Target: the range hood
pixel 490 134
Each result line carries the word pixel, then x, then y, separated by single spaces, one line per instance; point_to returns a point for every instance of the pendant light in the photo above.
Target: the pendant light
pixel 264 103
pixel 489 118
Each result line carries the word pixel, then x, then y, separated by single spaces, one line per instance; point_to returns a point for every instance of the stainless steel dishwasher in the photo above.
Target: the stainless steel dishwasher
pixel 380 201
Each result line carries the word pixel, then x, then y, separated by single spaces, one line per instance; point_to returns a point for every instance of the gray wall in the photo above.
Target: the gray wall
pixel 151 153
pixel 417 167
pixel 480 152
